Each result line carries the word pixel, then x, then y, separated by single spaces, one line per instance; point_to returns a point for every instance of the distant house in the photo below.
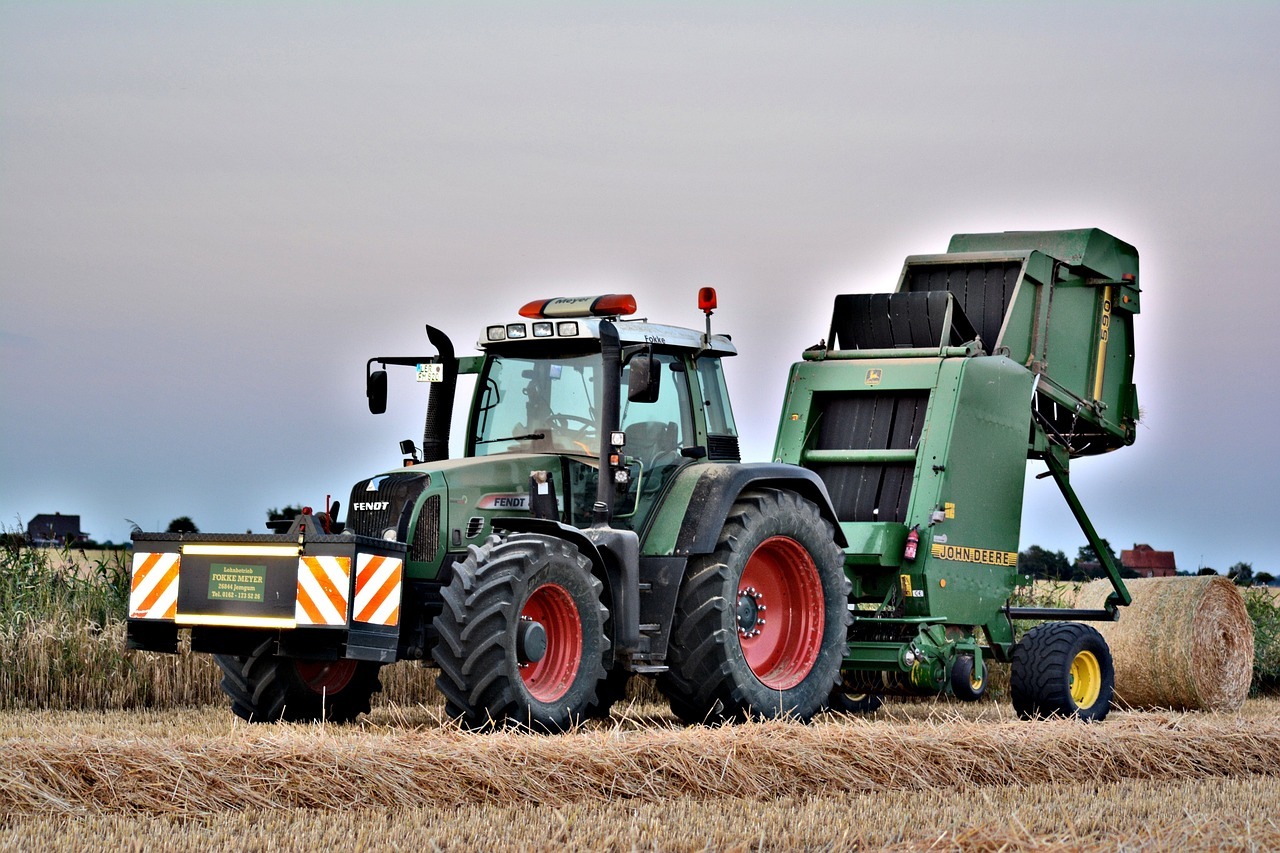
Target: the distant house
pixel 1147 562
pixel 56 529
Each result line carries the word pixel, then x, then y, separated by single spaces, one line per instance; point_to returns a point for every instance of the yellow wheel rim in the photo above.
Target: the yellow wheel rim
pixel 1086 680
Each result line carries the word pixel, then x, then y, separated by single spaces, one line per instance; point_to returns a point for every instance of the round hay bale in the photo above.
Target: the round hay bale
pixel 1184 643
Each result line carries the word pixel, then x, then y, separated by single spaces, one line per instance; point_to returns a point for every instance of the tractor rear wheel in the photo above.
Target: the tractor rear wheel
pixel 1062 669
pixel 521 637
pixel 761 622
pixel 265 687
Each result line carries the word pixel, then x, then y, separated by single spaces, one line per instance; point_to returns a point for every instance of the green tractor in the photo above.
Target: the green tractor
pixel 600 523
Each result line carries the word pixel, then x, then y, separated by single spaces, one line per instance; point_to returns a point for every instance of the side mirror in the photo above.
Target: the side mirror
pixel 642 378
pixel 375 388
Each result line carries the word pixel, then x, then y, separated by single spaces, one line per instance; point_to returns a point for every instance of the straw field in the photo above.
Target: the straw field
pixel 916 776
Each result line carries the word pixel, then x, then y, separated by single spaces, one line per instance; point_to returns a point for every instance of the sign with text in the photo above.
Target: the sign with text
pixel 237 582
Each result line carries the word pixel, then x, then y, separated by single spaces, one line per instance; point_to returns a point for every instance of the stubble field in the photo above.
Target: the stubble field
pixel 929 775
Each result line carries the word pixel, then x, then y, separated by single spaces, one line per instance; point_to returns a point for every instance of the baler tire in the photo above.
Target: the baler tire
pixel 493 591
pixel 854 703
pixel 267 688
pixel 774 546
pixel 963 685
pixel 1062 669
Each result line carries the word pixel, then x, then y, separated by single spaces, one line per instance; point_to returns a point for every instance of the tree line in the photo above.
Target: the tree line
pixel 1044 564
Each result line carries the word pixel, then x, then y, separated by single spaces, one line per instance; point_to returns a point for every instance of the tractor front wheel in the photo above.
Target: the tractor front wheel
pixel 265 687
pixel 1062 669
pixel 761 622
pixel 521 635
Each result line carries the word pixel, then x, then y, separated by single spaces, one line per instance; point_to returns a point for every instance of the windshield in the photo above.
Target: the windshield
pixel 538 405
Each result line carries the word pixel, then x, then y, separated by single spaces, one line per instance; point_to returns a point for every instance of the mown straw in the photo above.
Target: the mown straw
pixel 325 768
pixel 1185 643
pixel 1137 815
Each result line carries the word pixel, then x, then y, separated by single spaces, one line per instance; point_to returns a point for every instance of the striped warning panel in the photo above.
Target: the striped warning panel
pixel 322 590
pixel 153 593
pixel 377 590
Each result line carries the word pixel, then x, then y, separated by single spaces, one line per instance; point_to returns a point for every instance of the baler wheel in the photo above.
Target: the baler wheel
pixel 854 703
pixel 1062 669
pixel 760 622
pixel 266 688
pixel 521 635
pixel 965 686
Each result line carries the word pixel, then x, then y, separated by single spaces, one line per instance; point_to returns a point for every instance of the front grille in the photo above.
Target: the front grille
pixel 373 510
pixel 426 535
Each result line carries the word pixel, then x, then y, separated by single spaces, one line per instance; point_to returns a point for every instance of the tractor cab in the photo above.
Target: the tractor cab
pixel 541 389
pixel 571 388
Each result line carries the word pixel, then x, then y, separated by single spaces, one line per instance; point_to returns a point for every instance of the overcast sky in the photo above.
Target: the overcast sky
pixel 211 214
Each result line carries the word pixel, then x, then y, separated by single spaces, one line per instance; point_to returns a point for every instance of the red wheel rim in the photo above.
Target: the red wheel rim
pixel 326 677
pixel 781 614
pixel 551 677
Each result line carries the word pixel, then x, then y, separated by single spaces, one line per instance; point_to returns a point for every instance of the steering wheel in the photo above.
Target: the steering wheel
pixel 567 426
pixel 563 421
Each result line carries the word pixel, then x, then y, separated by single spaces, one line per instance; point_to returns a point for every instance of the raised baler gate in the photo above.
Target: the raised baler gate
pixel 920 412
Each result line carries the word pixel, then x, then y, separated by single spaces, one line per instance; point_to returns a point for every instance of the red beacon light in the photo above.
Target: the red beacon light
pixel 707 299
pixel 609 305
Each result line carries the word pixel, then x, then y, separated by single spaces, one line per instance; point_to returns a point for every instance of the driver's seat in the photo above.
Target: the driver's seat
pixel 654 443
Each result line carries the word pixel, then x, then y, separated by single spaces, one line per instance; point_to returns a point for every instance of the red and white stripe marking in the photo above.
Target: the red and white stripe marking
pixel 322 590
pixel 153 593
pixel 377 590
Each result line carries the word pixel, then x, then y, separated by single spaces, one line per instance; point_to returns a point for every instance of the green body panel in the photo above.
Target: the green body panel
pixel 660 538
pixel 475 491
pixel 967 560
pixel 1092 249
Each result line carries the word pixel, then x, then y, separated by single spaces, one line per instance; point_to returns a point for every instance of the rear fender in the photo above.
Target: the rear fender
pixel 721 484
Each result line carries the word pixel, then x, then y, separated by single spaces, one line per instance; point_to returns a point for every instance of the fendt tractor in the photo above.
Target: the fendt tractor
pixel 600 524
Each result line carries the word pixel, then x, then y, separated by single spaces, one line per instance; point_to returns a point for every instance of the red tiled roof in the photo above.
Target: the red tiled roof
pixel 1146 557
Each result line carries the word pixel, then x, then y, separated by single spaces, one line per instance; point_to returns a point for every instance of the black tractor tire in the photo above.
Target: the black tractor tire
pixel 964 686
pixel 503 586
pixel 1062 669
pixel 727 659
pixel 266 688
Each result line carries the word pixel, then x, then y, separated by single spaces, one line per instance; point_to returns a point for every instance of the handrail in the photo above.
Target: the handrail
pixel 913 352
pixel 855 456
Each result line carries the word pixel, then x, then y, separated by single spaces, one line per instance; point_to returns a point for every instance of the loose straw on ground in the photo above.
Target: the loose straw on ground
pixel 1184 643
pixel 315 768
